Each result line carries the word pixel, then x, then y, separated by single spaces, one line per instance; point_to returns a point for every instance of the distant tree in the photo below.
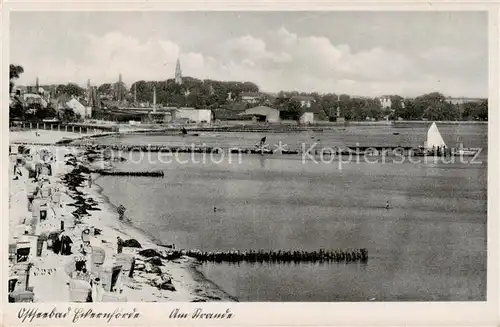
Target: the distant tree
pixel 409 112
pixel 68 115
pixel 15 72
pixel 16 110
pixel 106 89
pixel 70 89
pixel 358 109
pixel 482 110
pixel 397 106
pixel 328 106
pixel 45 113
pixel 435 107
pixel 293 110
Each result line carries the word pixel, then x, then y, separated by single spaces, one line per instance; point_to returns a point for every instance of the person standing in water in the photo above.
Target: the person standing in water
pixel 387 205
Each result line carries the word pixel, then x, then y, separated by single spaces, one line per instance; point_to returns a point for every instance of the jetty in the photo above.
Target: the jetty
pixel 282 256
pixel 130 173
pixel 334 150
pixel 372 151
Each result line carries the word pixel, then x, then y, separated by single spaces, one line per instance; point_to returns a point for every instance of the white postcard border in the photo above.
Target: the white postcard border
pixel 279 314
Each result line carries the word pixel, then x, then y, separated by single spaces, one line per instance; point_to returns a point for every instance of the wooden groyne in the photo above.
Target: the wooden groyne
pixel 346 256
pixel 130 173
pixel 335 150
pixel 323 150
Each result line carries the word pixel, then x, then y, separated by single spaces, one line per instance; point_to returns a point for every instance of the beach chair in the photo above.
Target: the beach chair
pixel 21 296
pixel 79 290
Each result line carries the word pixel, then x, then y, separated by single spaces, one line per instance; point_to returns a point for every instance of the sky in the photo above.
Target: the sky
pixel 358 53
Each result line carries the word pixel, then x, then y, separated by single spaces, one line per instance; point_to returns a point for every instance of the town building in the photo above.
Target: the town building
pixel 80 107
pixel 250 97
pixel 307 118
pixel 463 100
pixel 385 102
pixel 305 101
pixel 263 114
pixel 194 115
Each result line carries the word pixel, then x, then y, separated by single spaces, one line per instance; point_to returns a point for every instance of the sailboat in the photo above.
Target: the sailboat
pixel 434 142
pixel 434 138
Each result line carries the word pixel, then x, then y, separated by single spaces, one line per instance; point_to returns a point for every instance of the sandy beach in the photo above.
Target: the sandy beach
pixel 164 275
pixel 43 137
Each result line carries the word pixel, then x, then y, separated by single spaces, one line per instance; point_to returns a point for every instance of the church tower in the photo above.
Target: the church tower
pixel 178 73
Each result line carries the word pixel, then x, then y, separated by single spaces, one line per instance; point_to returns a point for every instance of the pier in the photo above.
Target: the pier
pixel 345 256
pixel 130 173
pixel 329 150
pixel 324 149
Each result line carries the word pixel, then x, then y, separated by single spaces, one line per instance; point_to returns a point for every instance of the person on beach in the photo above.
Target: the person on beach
pixel 119 244
pixel 56 246
pixel 121 211
pixel 387 206
pixel 82 250
pixel 90 181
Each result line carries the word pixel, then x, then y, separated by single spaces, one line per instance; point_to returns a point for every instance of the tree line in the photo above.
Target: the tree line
pixel 212 94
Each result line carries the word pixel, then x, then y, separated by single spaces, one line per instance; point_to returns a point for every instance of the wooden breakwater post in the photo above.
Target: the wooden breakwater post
pixel 280 256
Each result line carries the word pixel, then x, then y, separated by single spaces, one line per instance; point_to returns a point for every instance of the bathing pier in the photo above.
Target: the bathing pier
pixel 340 256
pixel 130 173
pixel 328 150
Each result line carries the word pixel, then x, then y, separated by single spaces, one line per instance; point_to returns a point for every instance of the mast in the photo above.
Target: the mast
pixel 135 94
pixel 119 88
pixel 89 94
pixel 154 99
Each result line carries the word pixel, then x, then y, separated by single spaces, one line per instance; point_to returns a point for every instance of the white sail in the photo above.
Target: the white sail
pixel 434 138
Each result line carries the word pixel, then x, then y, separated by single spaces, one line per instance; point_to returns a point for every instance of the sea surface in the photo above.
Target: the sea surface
pixel 430 246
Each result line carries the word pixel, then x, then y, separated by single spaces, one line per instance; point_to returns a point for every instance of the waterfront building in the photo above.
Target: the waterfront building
pixel 263 113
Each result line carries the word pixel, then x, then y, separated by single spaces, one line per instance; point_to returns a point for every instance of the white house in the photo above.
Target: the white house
pixel 197 115
pixel 79 108
pixel 385 102
pixel 263 113
pixel 306 101
pixel 307 117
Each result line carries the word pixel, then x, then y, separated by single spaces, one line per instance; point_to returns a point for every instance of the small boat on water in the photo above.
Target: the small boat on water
pixel 463 152
pixel 434 143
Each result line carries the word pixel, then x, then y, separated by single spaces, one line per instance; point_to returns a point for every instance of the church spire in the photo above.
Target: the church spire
pixel 178 73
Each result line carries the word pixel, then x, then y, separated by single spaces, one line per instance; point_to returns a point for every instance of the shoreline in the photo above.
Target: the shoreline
pixel 48 272
pixel 196 274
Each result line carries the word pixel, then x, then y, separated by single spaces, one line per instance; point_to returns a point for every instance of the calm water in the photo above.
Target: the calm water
pixel 470 135
pixel 430 246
